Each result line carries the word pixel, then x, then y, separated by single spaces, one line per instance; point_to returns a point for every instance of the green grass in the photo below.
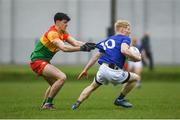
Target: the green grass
pixel 21 94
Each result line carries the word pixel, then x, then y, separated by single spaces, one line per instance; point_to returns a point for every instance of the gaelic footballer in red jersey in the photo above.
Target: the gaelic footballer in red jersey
pixel 50 43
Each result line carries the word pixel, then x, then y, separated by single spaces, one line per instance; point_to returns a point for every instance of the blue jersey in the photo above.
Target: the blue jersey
pixel 111 49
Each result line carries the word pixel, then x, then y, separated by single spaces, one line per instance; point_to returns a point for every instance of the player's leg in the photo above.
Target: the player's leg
pixel 50 81
pixel 127 87
pixel 46 96
pixel 138 70
pixel 56 79
pixel 87 91
pixel 85 94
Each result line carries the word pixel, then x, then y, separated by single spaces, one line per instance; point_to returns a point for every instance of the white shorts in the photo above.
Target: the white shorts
pixel 132 65
pixel 106 75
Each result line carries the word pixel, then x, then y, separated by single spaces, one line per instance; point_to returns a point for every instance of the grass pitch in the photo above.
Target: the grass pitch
pixel 21 94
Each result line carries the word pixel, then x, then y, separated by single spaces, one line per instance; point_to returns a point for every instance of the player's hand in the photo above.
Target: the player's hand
pixel 83 74
pixel 88 47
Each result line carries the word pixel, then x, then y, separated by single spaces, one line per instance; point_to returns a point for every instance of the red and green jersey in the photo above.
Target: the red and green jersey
pixel 45 49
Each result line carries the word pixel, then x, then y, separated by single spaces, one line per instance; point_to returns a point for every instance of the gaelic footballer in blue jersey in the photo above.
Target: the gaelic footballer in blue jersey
pixel 111 57
pixel 111 47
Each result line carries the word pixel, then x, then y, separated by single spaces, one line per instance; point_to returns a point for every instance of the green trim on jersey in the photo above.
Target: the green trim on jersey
pixel 41 53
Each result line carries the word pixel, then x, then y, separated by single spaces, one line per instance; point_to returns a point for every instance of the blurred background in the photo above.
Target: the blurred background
pixel 22 22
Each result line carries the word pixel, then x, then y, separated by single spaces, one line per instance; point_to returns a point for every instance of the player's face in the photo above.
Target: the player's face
pixel 63 24
pixel 127 31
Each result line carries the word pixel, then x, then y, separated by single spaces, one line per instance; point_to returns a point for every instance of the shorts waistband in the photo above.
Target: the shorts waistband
pixel 112 66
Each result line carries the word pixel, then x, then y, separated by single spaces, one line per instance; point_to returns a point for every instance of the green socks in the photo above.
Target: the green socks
pixel 49 100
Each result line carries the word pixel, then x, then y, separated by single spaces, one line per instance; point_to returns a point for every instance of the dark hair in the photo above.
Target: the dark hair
pixel 61 16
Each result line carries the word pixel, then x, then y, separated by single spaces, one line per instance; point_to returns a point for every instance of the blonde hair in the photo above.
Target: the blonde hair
pixel 121 23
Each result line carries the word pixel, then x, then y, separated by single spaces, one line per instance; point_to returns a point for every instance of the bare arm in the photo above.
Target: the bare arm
pixel 65 48
pixel 74 42
pixel 91 62
pixel 127 52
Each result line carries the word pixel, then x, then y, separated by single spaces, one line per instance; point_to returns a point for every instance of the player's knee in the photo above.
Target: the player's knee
pixel 134 77
pixel 137 77
pixel 62 78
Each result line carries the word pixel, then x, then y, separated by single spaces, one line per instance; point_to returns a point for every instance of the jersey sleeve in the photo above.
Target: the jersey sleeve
pixel 127 40
pixel 53 35
pixel 100 47
pixel 65 36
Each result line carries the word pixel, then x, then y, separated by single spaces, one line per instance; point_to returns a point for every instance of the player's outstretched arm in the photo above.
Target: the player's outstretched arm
pixel 84 46
pixel 91 62
pixel 74 42
pixel 87 47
